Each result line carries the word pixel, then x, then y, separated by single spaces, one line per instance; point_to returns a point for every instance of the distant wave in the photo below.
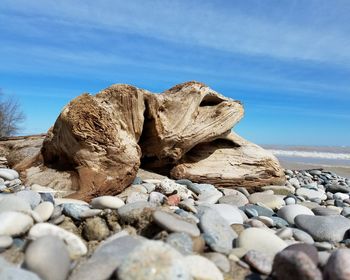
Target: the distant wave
pixel 305 154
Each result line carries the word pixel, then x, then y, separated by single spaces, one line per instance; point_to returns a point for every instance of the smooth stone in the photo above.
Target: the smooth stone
pixel 168 187
pixel 187 215
pixel 137 181
pixel 156 198
pixel 5 242
pixel 14 223
pixel 308 249
pixel 209 197
pixel 280 190
pixel 324 211
pixel 149 187
pixel 74 210
pixel 47 197
pixel 174 223
pixel 48 257
pixel 137 196
pixel 262 211
pixel 229 212
pixel 107 202
pixel 33 198
pixel 294 182
pixel 90 213
pixel 220 260
pixel 8 174
pixel 237 199
pixel 290 200
pixel 106 258
pixel 136 211
pixel 291 264
pixel 202 268
pixel 311 194
pixel 289 212
pixel 42 189
pixel 256 223
pixel 340 196
pixel 217 232
pixel 181 241
pixel 75 245
pixel 132 189
pixel 261 240
pixel 338 265
pixel 285 233
pixel 346 212
pixel 201 188
pixel 188 205
pixel 14 273
pixel 270 200
pixel 60 201
pixel 302 236
pixel 279 222
pixel 259 261
pixel 95 229
pixel 153 260
pixel 309 204
pixel 266 220
pixel 44 210
pixel 338 188
pixel 323 257
pixel 323 246
pixel 14 203
pixel 324 228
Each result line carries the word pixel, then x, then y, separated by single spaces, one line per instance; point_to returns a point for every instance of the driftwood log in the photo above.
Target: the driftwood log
pixel 184 132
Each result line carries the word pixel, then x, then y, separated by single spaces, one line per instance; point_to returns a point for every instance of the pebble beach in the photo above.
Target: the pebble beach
pixel 159 228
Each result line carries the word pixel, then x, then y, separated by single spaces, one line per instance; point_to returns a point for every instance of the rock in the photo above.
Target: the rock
pixel 5 242
pixel 14 273
pixel 174 223
pixel 289 212
pixel 217 232
pixel 261 240
pixel 230 213
pixel 156 198
pixel 75 245
pixel 230 161
pixel 220 260
pixel 8 174
pixel 135 212
pixel 153 260
pixel 259 261
pixel 209 197
pixel 290 265
pixel 168 186
pixel 325 211
pixel 202 268
pixel 14 223
pixel 294 182
pixel 279 222
pixel 48 257
pixel 60 201
pixel 311 194
pixel 181 241
pixel 324 228
pixel 280 190
pixel 33 198
pixel 75 211
pixel 290 200
pixel 137 196
pixel 107 202
pixel 106 258
pixel 95 229
pixel 261 211
pixel 90 213
pixel 285 233
pixel 309 250
pixel 14 203
pixel 237 199
pixel 173 200
pixel 302 236
pixel 337 267
pixel 44 210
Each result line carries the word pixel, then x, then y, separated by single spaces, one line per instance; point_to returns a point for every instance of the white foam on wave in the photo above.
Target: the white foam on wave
pixel 305 154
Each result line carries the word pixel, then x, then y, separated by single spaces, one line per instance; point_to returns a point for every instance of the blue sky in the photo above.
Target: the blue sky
pixel 287 61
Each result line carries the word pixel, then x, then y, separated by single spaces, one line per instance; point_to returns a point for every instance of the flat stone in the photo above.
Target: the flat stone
pixel 75 245
pixel 279 222
pixel 270 200
pixel 217 232
pixel 181 241
pixel 261 211
pixel 14 273
pixel 202 268
pixel 133 212
pixel 324 228
pixel 33 198
pixel 42 189
pixel 89 213
pixel 220 260
pixel 137 196
pixel 280 190
pixel 259 261
pixel 5 242
pixel 48 257
pixel 285 233
pixel 107 202
pixel 95 229
pixel 8 174
pixel 262 240
pixel 211 197
pixel 74 210
pixel 309 204
pixel 289 212
pixel 302 236
pixel 229 212
pixel 106 258
pixel 153 260
pixel 290 265
pixel 338 265
pixel 14 223
pixel 44 210
pixel 311 194
pixel 60 201
pixel 14 203
pixel 324 211
pixel 174 223
pixel 236 199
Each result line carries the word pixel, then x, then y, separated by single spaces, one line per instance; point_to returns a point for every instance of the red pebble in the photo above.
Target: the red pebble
pixel 173 200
